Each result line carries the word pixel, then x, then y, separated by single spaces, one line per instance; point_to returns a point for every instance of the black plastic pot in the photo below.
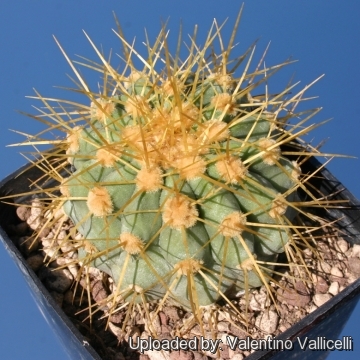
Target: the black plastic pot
pixel 328 320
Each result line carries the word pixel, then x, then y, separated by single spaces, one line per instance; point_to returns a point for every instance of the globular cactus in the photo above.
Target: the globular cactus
pixel 176 176
pixel 177 189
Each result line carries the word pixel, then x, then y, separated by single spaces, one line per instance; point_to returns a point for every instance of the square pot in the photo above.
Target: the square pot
pixel 326 321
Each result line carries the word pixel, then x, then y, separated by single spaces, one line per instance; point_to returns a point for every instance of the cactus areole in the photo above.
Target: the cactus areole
pixel 179 185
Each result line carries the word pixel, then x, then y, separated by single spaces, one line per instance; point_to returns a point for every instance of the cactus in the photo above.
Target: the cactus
pixel 176 177
pixel 168 177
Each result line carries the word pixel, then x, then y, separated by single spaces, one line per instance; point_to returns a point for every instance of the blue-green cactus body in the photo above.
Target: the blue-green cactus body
pixel 191 190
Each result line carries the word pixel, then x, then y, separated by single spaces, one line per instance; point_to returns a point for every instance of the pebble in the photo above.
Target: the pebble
pixel 95 273
pixel 184 355
pixel 78 236
pixel 223 326
pixel 334 288
pixel 98 292
pixel 35 218
pixel 157 355
pixel 58 280
pixel 324 266
pixel 336 272
pixel 62 235
pixel 267 321
pixel 155 323
pixel 74 269
pixel 308 253
pixel 60 215
pixel 342 245
pixel 35 262
pixel 320 283
pixel 23 212
pixel 27 245
pixel 253 304
pixel 354 266
pixel 22 229
pixel 211 355
pixel 48 243
pixel 199 356
pixel 295 297
pixel 59 261
pixel 238 357
pixel 262 299
pixel 282 328
pixel 320 299
pixel 50 253
pixel 356 251
pixel 67 248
